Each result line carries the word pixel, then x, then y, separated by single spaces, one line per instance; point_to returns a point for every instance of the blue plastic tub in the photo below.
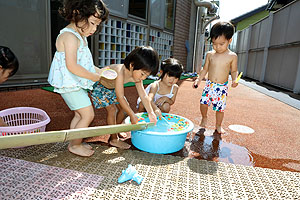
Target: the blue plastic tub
pixel 164 138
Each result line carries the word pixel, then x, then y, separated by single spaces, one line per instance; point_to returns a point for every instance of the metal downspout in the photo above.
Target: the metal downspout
pixel 200 29
pixel 207 4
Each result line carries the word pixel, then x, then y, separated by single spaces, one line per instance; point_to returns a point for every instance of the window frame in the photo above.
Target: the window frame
pixel 137 18
pixel 161 20
pixel 173 20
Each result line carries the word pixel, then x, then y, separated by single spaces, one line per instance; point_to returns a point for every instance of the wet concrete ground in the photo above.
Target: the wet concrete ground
pixel 274 144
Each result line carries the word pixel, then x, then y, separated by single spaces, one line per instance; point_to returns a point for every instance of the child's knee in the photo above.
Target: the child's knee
pixel 219 112
pixel 111 109
pixel 90 116
pixel 141 108
pixel 77 115
pixel 166 107
pixel 203 106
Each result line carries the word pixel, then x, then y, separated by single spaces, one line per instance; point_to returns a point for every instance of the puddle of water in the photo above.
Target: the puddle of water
pixel 208 145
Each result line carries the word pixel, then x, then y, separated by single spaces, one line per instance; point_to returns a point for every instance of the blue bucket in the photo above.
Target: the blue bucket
pixel 165 137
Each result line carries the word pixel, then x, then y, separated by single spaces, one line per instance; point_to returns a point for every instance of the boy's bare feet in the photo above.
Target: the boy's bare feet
pixel 86 145
pixel 203 122
pixel 80 150
pixel 120 144
pixel 220 130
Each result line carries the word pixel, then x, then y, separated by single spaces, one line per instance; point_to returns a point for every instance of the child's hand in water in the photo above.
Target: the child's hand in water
pixel 152 117
pixel 158 112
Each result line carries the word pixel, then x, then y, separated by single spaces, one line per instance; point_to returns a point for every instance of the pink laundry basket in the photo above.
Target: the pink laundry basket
pixel 23 120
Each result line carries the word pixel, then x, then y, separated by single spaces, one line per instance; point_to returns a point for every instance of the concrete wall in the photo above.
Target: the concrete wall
pixel 269 51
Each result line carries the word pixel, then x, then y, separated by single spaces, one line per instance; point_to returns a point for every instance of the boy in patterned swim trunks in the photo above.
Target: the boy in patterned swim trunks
pixel 218 63
pixel 109 94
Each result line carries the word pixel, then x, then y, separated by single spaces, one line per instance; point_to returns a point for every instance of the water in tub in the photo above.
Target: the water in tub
pixel 162 126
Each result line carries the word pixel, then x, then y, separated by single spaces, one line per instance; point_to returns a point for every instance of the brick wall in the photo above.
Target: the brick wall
pixel 181 31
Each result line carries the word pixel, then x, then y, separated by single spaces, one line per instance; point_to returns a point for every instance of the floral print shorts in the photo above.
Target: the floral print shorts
pixel 216 94
pixel 102 96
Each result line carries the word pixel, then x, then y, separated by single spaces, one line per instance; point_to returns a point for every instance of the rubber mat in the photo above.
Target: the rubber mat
pixel 28 180
pixel 165 176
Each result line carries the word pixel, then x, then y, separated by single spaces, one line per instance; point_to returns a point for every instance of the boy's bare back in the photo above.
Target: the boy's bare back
pixel 123 74
pixel 219 65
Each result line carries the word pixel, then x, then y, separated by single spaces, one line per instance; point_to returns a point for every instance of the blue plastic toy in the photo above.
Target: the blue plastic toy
pixel 130 174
